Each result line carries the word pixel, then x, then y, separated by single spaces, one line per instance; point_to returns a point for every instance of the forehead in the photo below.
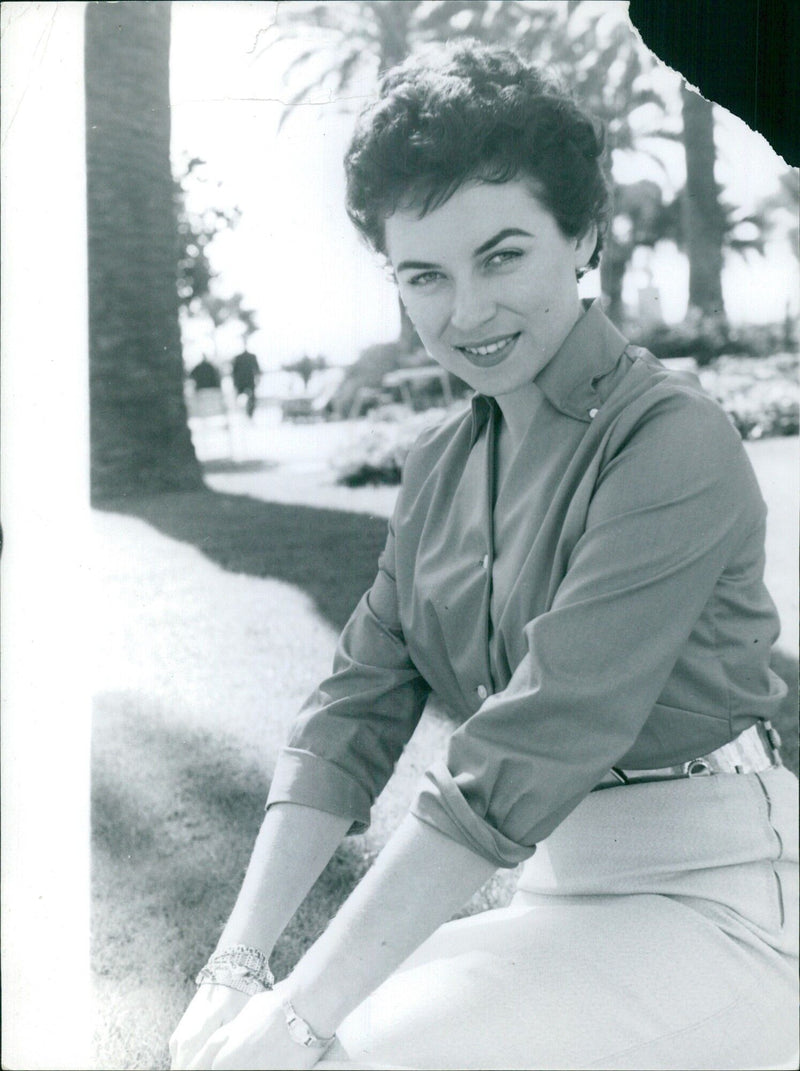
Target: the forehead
pixel 468 218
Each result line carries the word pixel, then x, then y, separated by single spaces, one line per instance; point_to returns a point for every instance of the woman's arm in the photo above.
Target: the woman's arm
pixel 350 732
pixel 418 881
pixel 291 851
pixel 292 848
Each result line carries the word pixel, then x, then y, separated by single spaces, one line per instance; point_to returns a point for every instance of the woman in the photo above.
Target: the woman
pixel 574 568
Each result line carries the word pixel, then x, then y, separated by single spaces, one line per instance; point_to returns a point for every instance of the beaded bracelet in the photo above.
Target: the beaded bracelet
pixel 241 968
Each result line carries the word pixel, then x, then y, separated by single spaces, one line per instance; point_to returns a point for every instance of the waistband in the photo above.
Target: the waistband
pixel 716 838
pixel 754 750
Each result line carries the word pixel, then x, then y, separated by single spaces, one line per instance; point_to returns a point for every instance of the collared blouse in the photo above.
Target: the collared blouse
pixel 604 607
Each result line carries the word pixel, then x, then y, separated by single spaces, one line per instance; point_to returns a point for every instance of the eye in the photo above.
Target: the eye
pixel 423 278
pixel 503 256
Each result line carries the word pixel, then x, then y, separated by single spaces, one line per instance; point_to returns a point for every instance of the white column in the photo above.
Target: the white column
pixel 45 512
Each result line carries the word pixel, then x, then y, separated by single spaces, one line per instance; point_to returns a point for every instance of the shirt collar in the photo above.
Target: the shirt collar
pixel 572 379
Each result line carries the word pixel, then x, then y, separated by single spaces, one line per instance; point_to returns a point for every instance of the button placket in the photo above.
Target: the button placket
pixel 481 689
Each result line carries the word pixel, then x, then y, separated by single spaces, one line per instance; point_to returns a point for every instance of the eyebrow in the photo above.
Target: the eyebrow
pixel 507 232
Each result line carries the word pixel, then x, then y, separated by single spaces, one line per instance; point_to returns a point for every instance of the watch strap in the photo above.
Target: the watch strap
pixel 299 1030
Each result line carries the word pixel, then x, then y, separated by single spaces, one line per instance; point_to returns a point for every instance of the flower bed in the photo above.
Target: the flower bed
pixel 378 454
pixel 760 395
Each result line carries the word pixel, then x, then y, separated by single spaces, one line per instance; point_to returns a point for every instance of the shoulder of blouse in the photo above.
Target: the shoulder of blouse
pixel 686 429
pixel 647 387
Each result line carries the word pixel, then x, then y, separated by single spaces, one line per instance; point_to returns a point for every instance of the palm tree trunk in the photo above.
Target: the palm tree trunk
pixel 140 440
pixel 613 265
pixel 703 217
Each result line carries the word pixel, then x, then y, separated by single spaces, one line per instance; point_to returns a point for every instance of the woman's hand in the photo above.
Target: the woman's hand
pixel 212 1007
pixel 256 1039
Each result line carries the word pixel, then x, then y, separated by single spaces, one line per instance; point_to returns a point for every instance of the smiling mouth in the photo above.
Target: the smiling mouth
pixel 489 353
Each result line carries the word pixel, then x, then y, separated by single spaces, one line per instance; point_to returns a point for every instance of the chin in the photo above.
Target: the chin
pixel 494 382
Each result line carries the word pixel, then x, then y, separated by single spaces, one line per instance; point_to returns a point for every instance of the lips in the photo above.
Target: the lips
pixel 489 353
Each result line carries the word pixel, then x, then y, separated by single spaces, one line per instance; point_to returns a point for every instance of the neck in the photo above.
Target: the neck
pixel 518 408
pixel 519 405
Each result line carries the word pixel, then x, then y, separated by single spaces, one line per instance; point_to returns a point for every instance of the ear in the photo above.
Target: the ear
pixel 585 246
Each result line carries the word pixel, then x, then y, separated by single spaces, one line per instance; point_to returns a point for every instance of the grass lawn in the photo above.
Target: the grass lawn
pixel 219 612
pixel 218 615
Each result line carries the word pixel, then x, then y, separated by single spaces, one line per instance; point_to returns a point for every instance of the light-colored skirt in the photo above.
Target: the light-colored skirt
pixel 656 928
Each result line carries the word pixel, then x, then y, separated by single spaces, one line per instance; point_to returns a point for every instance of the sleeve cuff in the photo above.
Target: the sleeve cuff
pixel 440 804
pixel 302 777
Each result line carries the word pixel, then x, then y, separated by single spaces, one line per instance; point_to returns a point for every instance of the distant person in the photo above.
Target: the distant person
pixel 246 372
pixel 205 375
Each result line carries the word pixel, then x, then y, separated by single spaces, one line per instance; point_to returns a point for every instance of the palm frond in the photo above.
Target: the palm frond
pixel 638 148
pixel 637 98
pixel 745 247
pixel 303 58
pixel 347 67
pixel 431 19
pixel 301 97
pixel 337 77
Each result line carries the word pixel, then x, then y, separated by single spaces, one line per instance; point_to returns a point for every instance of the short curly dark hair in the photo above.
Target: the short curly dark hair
pixel 456 113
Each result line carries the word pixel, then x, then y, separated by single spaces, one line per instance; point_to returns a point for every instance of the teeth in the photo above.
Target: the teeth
pixel 492 347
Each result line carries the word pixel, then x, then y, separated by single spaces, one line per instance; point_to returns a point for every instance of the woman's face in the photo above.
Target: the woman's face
pixel 489 282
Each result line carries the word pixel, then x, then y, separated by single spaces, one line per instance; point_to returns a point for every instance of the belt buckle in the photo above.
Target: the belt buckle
pixel 697 768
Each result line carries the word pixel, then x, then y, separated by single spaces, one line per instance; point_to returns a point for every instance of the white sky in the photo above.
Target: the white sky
pixel 294 254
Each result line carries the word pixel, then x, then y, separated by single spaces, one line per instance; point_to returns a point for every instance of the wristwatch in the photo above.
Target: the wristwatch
pixel 299 1030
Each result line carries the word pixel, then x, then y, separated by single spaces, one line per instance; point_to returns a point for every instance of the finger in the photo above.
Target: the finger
pixel 204 1060
pixel 183 1056
pixel 185 1044
pixel 187 1049
pixel 177 1036
pixel 177 1053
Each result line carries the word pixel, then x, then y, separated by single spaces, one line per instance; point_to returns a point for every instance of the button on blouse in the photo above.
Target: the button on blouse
pixel 624 621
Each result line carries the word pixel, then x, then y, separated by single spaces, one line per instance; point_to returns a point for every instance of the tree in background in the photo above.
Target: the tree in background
pixel 781 211
pixel 642 217
pixel 198 293
pixel 197 229
pixel 363 38
pixel 222 308
pixel 592 53
pixel 595 53
pixel 704 219
pixel 140 440
pixel 305 367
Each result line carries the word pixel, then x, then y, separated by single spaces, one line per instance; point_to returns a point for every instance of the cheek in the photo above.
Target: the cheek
pixel 427 316
pixel 526 287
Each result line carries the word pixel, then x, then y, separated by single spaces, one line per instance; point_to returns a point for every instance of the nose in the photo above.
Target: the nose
pixel 473 306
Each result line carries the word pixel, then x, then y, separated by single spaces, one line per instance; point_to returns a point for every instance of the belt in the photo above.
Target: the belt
pixel 752 751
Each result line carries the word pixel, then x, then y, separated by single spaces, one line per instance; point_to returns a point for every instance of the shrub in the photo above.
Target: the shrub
pixel 379 453
pixel 761 396
pixel 708 337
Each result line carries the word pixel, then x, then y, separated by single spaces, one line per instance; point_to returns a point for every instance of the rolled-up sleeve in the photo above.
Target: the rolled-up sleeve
pixel 673 500
pixel 353 727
